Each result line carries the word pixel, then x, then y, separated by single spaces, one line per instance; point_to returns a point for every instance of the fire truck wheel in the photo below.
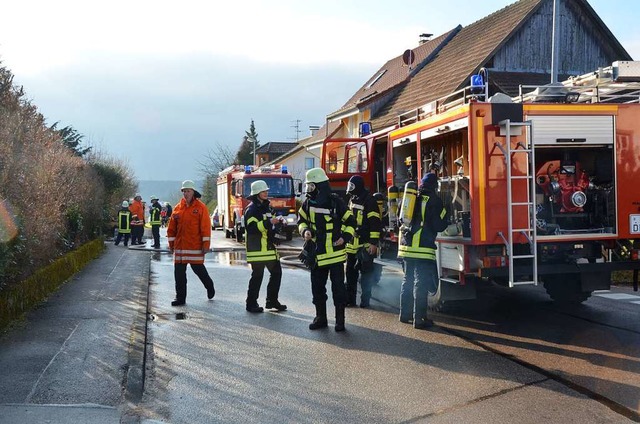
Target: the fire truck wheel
pixel 566 289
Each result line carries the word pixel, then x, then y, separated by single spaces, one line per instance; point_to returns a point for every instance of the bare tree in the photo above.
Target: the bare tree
pixel 216 159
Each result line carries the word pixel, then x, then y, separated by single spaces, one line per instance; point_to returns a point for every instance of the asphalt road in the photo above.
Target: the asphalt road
pixel 211 361
pixel 511 356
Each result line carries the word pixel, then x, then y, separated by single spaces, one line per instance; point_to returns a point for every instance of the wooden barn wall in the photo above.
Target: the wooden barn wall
pixel 529 50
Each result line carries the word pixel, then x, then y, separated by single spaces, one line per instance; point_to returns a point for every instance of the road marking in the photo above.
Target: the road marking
pixel 619 296
pixel 637 302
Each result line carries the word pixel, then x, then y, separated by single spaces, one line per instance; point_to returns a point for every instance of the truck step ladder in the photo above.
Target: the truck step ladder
pixel 527 261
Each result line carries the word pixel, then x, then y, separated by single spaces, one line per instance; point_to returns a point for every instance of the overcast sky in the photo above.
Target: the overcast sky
pixel 158 83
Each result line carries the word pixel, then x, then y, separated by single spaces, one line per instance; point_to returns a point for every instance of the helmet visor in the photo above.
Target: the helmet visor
pixel 350 187
pixel 309 187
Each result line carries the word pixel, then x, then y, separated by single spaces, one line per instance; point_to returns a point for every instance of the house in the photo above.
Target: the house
pixel 306 154
pixel 512 46
pixel 270 151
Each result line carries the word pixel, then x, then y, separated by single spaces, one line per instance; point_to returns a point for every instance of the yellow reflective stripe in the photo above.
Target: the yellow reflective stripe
pixel 329 226
pixel 252 219
pixel 373 214
pixel 302 213
pixel 414 255
pixel 374 234
pixel 331 257
pixel 269 254
pixel 206 238
pixel 261 227
pixel 359 218
pixel 349 230
pixel 418 249
pixel 346 215
pixel 443 213
pixel 301 227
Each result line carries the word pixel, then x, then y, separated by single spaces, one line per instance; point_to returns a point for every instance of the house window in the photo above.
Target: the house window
pixel 309 163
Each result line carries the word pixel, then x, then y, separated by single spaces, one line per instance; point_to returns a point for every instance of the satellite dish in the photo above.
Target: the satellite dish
pixel 408 57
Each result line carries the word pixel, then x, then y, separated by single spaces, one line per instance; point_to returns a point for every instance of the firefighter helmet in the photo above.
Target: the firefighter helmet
pixel 258 187
pixel 154 198
pixel 316 175
pixel 125 204
pixel 188 184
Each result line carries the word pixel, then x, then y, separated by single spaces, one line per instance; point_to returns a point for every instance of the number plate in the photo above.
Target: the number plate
pixel 634 224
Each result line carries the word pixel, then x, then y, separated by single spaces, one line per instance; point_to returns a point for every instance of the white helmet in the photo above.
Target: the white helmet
pixel 258 187
pixel 316 175
pixel 188 184
pixel 154 198
pixel 125 204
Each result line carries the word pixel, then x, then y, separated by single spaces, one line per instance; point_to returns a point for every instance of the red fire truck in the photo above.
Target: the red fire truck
pixel 234 186
pixel 540 188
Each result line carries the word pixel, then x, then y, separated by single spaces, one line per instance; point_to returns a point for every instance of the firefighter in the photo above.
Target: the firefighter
pixel 189 235
pixel 325 220
pixel 261 250
pixel 137 208
pixel 124 224
pixel 418 249
pixel 155 220
pixel 364 247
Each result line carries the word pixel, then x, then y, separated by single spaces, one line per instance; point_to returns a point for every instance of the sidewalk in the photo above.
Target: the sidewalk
pixel 68 360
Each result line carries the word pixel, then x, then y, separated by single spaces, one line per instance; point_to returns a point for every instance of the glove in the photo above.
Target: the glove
pixel 308 254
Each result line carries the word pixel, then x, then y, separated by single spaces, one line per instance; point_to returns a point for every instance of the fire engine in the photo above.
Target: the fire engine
pixel 540 188
pixel 234 186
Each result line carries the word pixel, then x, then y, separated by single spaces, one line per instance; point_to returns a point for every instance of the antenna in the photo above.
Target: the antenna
pixel 296 125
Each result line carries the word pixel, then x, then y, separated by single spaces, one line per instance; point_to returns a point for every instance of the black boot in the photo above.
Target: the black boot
pixel 275 305
pixel 340 318
pixel 320 321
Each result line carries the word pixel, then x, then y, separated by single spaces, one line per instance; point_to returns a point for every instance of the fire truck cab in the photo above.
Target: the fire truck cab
pixel 234 187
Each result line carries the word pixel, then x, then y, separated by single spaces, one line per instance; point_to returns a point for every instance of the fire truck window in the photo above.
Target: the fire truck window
pixel 239 188
pixel 364 163
pixel 335 158
pixel 352 161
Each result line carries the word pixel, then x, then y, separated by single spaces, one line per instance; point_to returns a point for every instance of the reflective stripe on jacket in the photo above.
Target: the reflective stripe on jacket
pixel 155 216
pixel 420 243
pixel 258 239
pixel 124 221
pixel 189 232
pixel 327 225
pixel 368 223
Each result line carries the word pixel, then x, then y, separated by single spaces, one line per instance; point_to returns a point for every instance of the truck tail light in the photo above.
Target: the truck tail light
pixel 494 261
pixel 292 210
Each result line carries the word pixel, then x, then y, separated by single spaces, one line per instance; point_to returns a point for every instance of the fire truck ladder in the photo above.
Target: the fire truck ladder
pixel 530 259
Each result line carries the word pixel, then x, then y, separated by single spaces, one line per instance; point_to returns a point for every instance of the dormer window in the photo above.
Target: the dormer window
pixel 375 79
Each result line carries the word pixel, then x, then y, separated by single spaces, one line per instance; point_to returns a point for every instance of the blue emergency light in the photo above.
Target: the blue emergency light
pixel 284 169
pixel 247 169
pixel 365 128
pixel 477 84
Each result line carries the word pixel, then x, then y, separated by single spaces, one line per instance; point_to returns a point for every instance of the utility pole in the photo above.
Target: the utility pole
pixel 297 129
pixel 253 143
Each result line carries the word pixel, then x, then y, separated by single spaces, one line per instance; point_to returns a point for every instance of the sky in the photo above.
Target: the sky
pixel 160 84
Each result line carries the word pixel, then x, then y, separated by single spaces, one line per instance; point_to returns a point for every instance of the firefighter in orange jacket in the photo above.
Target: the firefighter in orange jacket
pixel 189 235
pixel 137 208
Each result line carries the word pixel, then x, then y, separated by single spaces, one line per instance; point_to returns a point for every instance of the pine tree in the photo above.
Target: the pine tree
pixel 252 135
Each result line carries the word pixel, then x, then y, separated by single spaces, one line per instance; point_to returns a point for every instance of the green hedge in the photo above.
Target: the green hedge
pixel 22 297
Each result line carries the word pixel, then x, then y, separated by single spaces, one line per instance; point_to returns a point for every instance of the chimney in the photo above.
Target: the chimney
pixel 314 129
pixel 424 37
